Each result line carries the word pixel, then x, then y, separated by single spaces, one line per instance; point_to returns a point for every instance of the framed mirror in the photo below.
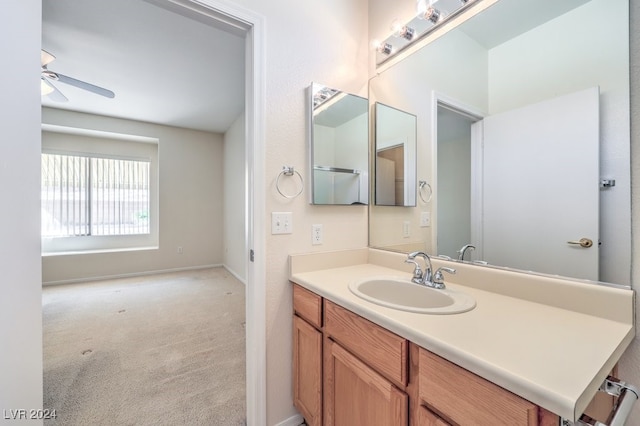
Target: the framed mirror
pixel 515 55
pixel 395 159
pixel 339 147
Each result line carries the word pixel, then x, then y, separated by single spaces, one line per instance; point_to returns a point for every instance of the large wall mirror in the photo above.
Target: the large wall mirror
pixel 339 147
pixel 523 136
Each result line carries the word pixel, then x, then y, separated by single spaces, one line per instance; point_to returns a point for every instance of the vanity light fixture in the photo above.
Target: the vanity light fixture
pixel 323 95
pixel 430 14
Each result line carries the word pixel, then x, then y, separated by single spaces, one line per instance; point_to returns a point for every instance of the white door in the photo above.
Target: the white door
pixel 541 186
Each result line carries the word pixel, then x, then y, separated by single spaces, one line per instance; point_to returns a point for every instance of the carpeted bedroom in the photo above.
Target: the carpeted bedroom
pixel 164 349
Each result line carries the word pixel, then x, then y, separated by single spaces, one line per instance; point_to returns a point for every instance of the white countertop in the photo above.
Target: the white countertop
pixel 553 356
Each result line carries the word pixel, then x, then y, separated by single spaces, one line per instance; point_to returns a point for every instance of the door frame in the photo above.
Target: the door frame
pixel 441 100
pixel 252 25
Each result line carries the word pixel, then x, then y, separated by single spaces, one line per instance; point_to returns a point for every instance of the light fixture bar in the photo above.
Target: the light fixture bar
pixel 430 15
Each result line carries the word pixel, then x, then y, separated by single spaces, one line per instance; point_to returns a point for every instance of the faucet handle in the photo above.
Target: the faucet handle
pixel 417 271
pixel 438 277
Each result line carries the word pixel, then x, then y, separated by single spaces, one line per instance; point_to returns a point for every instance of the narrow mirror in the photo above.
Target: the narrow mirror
pixel 339 146
pixel 395 167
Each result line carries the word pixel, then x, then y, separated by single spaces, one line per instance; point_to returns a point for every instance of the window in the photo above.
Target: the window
pixel 84 196
pixel 100 191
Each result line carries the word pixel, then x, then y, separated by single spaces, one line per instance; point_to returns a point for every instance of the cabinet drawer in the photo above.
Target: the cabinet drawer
pixel 307 305
pixel 381 349
pixel 465 398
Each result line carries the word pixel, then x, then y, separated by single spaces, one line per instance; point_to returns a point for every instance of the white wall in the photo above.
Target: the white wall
pixel 191 191
pixel 234 201
pixel 21 293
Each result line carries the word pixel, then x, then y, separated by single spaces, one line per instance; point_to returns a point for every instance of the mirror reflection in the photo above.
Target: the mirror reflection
pixel 511 198
pixel 395 145
pixel 339 146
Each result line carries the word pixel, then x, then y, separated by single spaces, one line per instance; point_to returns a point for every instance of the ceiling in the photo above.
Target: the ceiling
pixel 163 67
pixel 505 20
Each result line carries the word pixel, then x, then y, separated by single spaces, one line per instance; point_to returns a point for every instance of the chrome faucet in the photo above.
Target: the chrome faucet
pixel 427 277
pixel 463 250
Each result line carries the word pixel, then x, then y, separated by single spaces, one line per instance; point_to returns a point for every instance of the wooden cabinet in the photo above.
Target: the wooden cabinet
pixel 427 417
pixel 307 305
pixel 465 398
pixel 355 394
pixel 350 371
pixel 307 371
pixel 307 355
pixel 383 350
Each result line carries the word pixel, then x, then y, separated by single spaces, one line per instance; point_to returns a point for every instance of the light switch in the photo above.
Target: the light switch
pixel 281 222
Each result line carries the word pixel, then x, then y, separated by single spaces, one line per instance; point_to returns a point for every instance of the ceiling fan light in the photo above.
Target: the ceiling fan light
pixel 45 88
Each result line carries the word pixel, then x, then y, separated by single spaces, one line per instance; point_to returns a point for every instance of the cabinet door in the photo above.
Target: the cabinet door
pixel 354 394
pixel 307 371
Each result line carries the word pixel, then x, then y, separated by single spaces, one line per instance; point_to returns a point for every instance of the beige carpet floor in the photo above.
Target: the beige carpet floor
pixel 166 349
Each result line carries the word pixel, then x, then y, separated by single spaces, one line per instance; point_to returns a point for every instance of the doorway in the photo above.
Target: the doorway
pixel 251 26
pixel 454 159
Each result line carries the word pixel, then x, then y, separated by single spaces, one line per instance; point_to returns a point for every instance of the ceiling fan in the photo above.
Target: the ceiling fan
pixel 47 76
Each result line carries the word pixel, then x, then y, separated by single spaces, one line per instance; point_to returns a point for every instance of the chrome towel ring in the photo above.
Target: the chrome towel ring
pixel 422 184
pixel 289 171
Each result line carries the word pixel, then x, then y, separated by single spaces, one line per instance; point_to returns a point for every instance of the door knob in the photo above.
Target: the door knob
pixel 584 242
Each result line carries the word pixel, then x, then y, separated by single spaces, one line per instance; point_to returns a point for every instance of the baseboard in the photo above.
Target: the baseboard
pixel 229 270
pixel 133 274
pixel 296 420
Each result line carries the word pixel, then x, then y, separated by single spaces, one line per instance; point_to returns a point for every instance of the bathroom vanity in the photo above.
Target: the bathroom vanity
pixel 533 350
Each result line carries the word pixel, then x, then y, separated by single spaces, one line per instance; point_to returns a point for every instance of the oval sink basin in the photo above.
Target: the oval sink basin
pixel 402 294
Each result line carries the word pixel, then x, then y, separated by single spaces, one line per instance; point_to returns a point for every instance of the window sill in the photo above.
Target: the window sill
pixel 97 251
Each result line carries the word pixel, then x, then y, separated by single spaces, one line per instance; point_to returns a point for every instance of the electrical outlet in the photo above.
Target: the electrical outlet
pixel 179 250
pixel 281 222
pixel 316 234
pixel 406 229
pixel 425 219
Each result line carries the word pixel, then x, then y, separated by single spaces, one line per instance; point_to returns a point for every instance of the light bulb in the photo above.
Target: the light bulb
pixel 426 11
pixel 383 47
pixel 431 14
pixel 400 30
pixel 45 88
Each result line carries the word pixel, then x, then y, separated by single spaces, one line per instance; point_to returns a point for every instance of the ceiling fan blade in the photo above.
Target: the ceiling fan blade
pixel 55 95
pixel 46 58
pixel 86 86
